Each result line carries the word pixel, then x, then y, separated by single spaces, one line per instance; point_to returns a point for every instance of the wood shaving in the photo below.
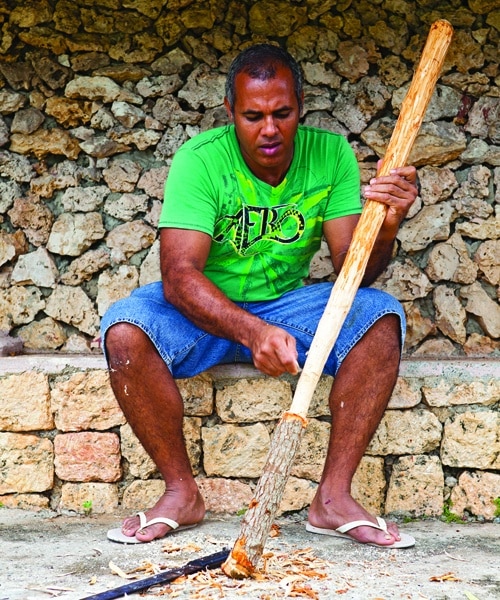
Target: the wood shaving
pixel 445 577
pixel 293 574
pixel 455 557
pixel 171 548
pixel 120 572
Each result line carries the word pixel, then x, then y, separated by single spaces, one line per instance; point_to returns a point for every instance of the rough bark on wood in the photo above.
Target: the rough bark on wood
pixel 258 520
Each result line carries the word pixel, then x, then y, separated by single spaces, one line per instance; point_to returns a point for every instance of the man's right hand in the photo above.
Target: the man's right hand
pixel 274 351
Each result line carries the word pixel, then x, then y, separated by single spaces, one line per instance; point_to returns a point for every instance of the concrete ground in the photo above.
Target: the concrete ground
pixel 46 555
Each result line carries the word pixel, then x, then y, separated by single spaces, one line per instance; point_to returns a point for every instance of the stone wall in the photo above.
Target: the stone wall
pixel 96 96
pixel 64 442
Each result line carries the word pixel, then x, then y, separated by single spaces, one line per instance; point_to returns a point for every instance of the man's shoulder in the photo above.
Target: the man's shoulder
pixel 207 139
pixel 308 131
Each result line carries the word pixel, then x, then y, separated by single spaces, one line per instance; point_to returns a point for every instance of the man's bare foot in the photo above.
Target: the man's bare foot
pixel 329 513
pixel 176 507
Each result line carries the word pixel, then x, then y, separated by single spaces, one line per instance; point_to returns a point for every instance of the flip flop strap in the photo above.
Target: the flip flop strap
pixel 348 526
pixel 163 520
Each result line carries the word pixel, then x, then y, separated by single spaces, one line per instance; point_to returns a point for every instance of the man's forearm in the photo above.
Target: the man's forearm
pixel 379 259
pixel 204 304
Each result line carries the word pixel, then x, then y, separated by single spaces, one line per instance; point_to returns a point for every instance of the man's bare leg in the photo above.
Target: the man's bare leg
pixel 358 399
pixel 152 404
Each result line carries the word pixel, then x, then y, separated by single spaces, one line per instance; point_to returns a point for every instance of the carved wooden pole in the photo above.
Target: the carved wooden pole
pixel 258 520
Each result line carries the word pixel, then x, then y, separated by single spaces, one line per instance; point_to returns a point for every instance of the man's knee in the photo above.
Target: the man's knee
pixel 121 338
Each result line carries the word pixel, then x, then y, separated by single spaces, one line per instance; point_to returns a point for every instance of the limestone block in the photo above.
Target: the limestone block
pixel 136 137
pixel 73 233
pixel 85 266
pixel 34 217
pixel 152 181
pixel 484 307
pixel 126 206
pixel 476 493
pixel 19 305
pixel 35 268
pixel 406 432
pixel 450 314
pixel 122 175
pixel 129 238
pixel 93 88
pixel 85 401
pixel 203 88
pixel 481 229
pixel 480 345
pixel 67 112
pixel 298 494
pixel 45 334
pixel 7 246
pixel 197 394
pixel 418 327
pixel 26 463
pixel 84 199
pixel 224 496
pixel 25 401
pixel 115 285
pixel 102 497
pixel 369 485
pixel 150 267
pixel 311 454
pixel 319 406
pixel 87 456
pixel 416 486
pixel 406 394
pixel 488 259
pixel 431 224
pixel 232 451
pixel 437 183
pixel 72 305
pixel 44 142
pixel 253 400
pixel 436 347
pixel 450 392
pixel 404 280
pixel 31 502
pixel 140 495
pixel 192 436
pixel 450 261
pixel 472 439
pixel 139 462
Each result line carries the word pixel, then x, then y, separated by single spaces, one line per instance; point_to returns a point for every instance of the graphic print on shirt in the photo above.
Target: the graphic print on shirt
pixel 251 224
pixel 263 235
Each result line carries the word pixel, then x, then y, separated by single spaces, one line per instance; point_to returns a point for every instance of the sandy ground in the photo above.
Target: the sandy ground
pixel 45 555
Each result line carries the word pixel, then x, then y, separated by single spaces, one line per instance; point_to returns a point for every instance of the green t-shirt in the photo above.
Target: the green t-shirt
pixel 263 236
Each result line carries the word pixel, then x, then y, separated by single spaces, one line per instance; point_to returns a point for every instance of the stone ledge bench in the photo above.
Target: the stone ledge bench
pixel 65 445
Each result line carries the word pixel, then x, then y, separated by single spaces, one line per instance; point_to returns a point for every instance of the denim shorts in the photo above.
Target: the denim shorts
pixel 188 350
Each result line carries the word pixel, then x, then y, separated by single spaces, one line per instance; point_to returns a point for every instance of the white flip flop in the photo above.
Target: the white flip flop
pixel 117 535
pixel 406 541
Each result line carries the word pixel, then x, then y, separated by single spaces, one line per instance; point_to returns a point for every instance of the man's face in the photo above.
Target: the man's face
pixel 266 116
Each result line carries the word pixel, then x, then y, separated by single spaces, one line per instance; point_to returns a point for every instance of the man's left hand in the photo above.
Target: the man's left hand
pixel 398 190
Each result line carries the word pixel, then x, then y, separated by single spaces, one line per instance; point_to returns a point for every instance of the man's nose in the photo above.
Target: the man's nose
pixel 269 128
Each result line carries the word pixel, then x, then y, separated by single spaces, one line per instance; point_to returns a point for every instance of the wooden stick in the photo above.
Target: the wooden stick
pixel 286 439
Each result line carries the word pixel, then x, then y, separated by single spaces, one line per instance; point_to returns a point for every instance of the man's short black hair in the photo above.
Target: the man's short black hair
pixel 260 62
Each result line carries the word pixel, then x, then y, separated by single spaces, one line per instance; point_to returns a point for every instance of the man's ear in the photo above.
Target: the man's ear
pixel 228 108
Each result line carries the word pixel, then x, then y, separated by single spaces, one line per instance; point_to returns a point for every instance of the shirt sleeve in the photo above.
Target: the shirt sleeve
pixel 190 200
pixel 345 195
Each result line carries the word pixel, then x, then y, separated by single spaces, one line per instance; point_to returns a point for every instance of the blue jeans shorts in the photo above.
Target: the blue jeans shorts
pixel 188 350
